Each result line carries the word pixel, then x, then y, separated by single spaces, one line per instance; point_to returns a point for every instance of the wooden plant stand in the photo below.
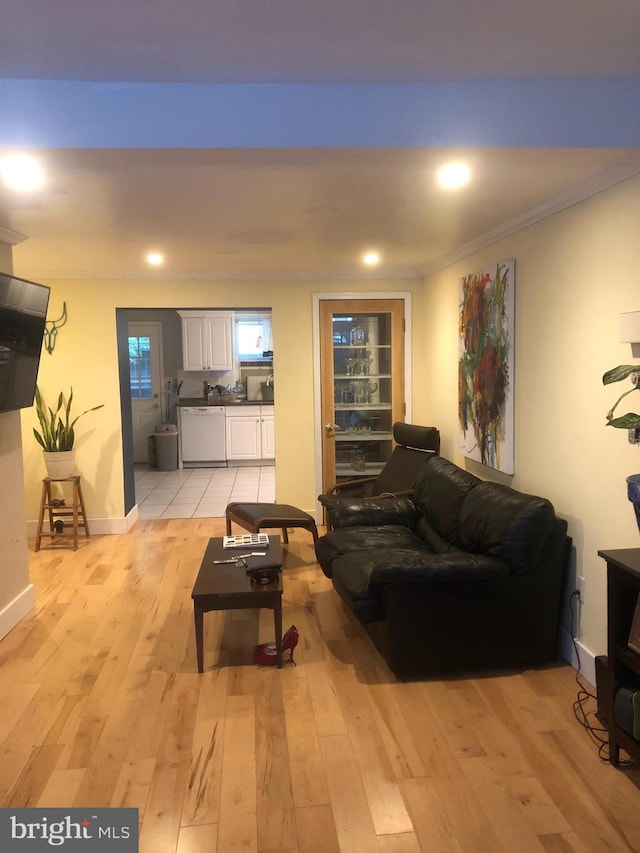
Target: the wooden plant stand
pixel 68 517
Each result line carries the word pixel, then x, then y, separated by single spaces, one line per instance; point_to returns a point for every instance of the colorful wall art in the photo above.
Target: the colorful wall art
pixel 485 365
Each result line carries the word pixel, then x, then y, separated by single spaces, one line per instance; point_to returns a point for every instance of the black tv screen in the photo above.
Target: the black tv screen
pixel 23 312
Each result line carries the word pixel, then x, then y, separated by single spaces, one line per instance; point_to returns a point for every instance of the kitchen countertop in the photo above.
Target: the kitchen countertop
pixel 221 401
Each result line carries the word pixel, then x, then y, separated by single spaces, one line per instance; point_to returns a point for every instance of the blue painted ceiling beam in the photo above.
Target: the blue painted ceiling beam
pixel 544 113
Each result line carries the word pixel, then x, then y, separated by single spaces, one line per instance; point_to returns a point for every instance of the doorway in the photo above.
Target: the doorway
pixel 260 486
pixel 363 386
pixel 146 382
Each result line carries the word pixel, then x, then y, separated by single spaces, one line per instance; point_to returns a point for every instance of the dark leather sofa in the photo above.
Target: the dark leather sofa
pixel 463 574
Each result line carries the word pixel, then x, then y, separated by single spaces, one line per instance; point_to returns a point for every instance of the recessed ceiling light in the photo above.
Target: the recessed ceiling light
pixel 371 259
pixel 453 175
pixel 155 259
pixel 21 172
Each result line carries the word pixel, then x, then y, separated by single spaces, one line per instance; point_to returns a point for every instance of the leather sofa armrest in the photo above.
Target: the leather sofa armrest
pixel 425 568
pixel 368 512
pixel 346 486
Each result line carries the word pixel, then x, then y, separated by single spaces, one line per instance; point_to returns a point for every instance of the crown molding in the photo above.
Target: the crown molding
pixel 625 168
pixel 289 275
pixel 7 235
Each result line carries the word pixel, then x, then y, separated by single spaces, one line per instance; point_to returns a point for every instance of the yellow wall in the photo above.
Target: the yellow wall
pixel 575 273
pixel 85 356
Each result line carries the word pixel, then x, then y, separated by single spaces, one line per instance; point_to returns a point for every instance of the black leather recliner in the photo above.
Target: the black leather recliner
pixel 414 447
pixel 463 573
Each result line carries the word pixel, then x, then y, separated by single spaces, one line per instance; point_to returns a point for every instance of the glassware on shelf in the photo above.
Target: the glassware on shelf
pixel 358 461
pixel 352 393
pixel 362 387
pixel 357 336
pixel 360 366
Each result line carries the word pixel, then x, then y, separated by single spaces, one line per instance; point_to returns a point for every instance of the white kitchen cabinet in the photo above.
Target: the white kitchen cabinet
pixel 207 340
pixel 267 431
pixel 250 433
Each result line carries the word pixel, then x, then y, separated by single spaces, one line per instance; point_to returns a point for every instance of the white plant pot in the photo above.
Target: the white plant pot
pixel 60 465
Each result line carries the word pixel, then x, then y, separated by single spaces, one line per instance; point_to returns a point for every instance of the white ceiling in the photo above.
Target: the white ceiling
pixel 312 210
pixel 253 211
pixel 326 40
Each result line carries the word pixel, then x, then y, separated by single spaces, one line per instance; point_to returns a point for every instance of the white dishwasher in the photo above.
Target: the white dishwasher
pixel 202 437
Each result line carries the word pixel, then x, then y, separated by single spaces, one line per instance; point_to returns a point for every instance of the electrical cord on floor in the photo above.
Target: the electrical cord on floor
pixel 598 733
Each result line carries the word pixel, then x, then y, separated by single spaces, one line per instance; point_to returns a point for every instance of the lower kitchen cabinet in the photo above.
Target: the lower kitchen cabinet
pixel 250 433
pixel 267 433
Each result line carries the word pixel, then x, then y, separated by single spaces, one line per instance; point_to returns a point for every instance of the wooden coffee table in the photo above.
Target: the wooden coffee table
pixel 227 586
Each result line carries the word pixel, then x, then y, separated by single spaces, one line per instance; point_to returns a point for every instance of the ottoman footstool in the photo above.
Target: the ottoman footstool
pixel 253 517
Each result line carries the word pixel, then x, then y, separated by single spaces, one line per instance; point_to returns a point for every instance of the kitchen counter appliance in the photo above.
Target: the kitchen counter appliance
pixel 260 388
pixel 202 437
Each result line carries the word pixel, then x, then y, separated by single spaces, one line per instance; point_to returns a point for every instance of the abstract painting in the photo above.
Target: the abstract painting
pixel 485 365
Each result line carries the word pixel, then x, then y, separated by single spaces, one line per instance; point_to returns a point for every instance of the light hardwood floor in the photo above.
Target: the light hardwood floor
pixel 102 705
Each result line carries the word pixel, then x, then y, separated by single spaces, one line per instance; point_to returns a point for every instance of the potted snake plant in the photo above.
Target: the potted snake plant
pixel 57 434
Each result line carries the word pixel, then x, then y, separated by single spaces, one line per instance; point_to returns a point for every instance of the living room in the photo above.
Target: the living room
pixel 576 269
pixel 561 264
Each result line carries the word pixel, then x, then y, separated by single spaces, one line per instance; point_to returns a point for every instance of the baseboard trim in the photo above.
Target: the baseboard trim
pixel 584 660
pixel 105 526
pixel 16 610
pixel 99 526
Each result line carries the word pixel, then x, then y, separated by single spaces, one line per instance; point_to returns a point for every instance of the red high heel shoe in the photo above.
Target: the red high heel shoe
pixel 265 654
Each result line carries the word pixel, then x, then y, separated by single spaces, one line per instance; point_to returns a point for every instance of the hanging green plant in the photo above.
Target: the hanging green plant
pixel 57 433
pixel 631 420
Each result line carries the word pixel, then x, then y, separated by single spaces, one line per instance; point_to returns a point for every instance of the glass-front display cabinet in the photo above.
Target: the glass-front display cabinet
pixel 364 395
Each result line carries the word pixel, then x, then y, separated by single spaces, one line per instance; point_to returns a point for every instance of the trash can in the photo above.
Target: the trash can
pixel 166 436
pixel 152 456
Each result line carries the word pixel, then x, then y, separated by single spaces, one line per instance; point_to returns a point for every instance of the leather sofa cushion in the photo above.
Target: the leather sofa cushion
pixel 499 521
pixel 426 568
pixel 433 538
pixel 345 540
pixel 357 575
pixel 440 492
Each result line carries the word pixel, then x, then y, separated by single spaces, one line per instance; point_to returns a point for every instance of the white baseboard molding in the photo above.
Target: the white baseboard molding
pixel 586 664
pixel 105 526
pixel 100 526
pixel 114 525
pixel 16 610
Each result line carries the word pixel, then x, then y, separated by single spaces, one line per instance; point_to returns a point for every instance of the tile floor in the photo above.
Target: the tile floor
pixel 200 492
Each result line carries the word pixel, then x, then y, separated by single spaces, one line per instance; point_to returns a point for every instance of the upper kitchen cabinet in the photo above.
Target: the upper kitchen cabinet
pixel 207 340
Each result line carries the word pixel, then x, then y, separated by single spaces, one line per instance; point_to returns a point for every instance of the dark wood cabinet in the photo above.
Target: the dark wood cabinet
pixel 623 588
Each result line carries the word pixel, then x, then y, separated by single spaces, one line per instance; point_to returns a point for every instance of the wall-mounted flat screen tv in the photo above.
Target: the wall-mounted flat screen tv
pixel 23 313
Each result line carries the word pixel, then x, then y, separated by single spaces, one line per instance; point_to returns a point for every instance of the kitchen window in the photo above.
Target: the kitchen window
pixel 140 367
pixel 253 336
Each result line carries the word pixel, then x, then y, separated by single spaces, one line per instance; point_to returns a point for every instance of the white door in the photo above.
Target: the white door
pixel 145 372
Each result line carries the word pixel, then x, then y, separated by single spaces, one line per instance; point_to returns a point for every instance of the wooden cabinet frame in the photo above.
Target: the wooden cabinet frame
pixel 395 305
